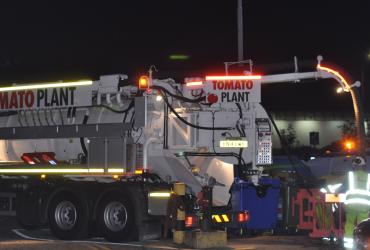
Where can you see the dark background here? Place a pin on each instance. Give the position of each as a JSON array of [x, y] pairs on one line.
[[65, 40]]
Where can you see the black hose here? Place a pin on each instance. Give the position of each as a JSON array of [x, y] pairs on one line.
[[165, 127], [240, 110], [118, 111], [240, 130], [184, 99], [190, 124], [82, 139], [213, 131]]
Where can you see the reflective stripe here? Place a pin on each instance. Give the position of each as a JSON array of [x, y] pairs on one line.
[[351, 180], [358, 191], [323, 190], [58, 170], [160, 194], [348, 245], [116, 170], [357, 201], [352, 191], [46, 85], [217, 218], [348, 242], [346, 239], [43, 170], [226, 219]]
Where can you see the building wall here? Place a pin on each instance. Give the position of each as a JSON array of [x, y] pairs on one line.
[[329, 131], [327, 124]]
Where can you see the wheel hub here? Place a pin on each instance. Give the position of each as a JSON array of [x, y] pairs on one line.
[[115, 216], [65, 215]]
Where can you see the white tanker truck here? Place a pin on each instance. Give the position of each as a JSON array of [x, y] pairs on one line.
[[79, 154], [101, 155]]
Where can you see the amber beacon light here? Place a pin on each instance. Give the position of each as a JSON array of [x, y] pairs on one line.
[[143, 82]]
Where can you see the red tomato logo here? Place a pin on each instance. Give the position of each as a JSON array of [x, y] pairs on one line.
[[212, 98]]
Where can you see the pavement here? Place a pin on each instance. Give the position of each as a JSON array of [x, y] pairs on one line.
[[13, 237]]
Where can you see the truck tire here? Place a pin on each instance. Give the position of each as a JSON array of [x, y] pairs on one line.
[[116, 218], [68, 217]]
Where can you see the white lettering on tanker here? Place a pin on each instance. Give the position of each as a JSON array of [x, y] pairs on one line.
[[243, 91], [46, 98]]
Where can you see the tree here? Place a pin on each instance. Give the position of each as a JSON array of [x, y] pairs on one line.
[[348, 130], [288, 136]]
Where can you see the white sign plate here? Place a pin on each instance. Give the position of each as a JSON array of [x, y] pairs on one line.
[[231, 91], [59, 97]]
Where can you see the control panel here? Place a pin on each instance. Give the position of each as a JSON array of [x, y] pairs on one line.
[[264, 142]]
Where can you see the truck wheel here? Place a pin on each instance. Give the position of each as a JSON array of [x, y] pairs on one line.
[[68, 217], [116, 218]]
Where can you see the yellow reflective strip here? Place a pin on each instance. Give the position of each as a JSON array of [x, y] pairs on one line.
[[96, 170], [46, 85], [160, 194], [43, 170], [226, 219], [116, 170], [138, 171], [217, 218]]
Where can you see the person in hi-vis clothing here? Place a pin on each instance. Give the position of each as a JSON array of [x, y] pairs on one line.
[[357, 198]]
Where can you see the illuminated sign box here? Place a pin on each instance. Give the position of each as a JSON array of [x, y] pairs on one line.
[[231, 89], [233, 144]]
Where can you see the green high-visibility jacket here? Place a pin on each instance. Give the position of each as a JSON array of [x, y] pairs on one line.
[[358, 188]]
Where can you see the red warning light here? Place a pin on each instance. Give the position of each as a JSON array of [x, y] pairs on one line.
[[242, 217], [190, 221], [39, 158], [27, 160]]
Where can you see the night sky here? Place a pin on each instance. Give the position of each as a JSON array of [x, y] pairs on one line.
[[63, 40]]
